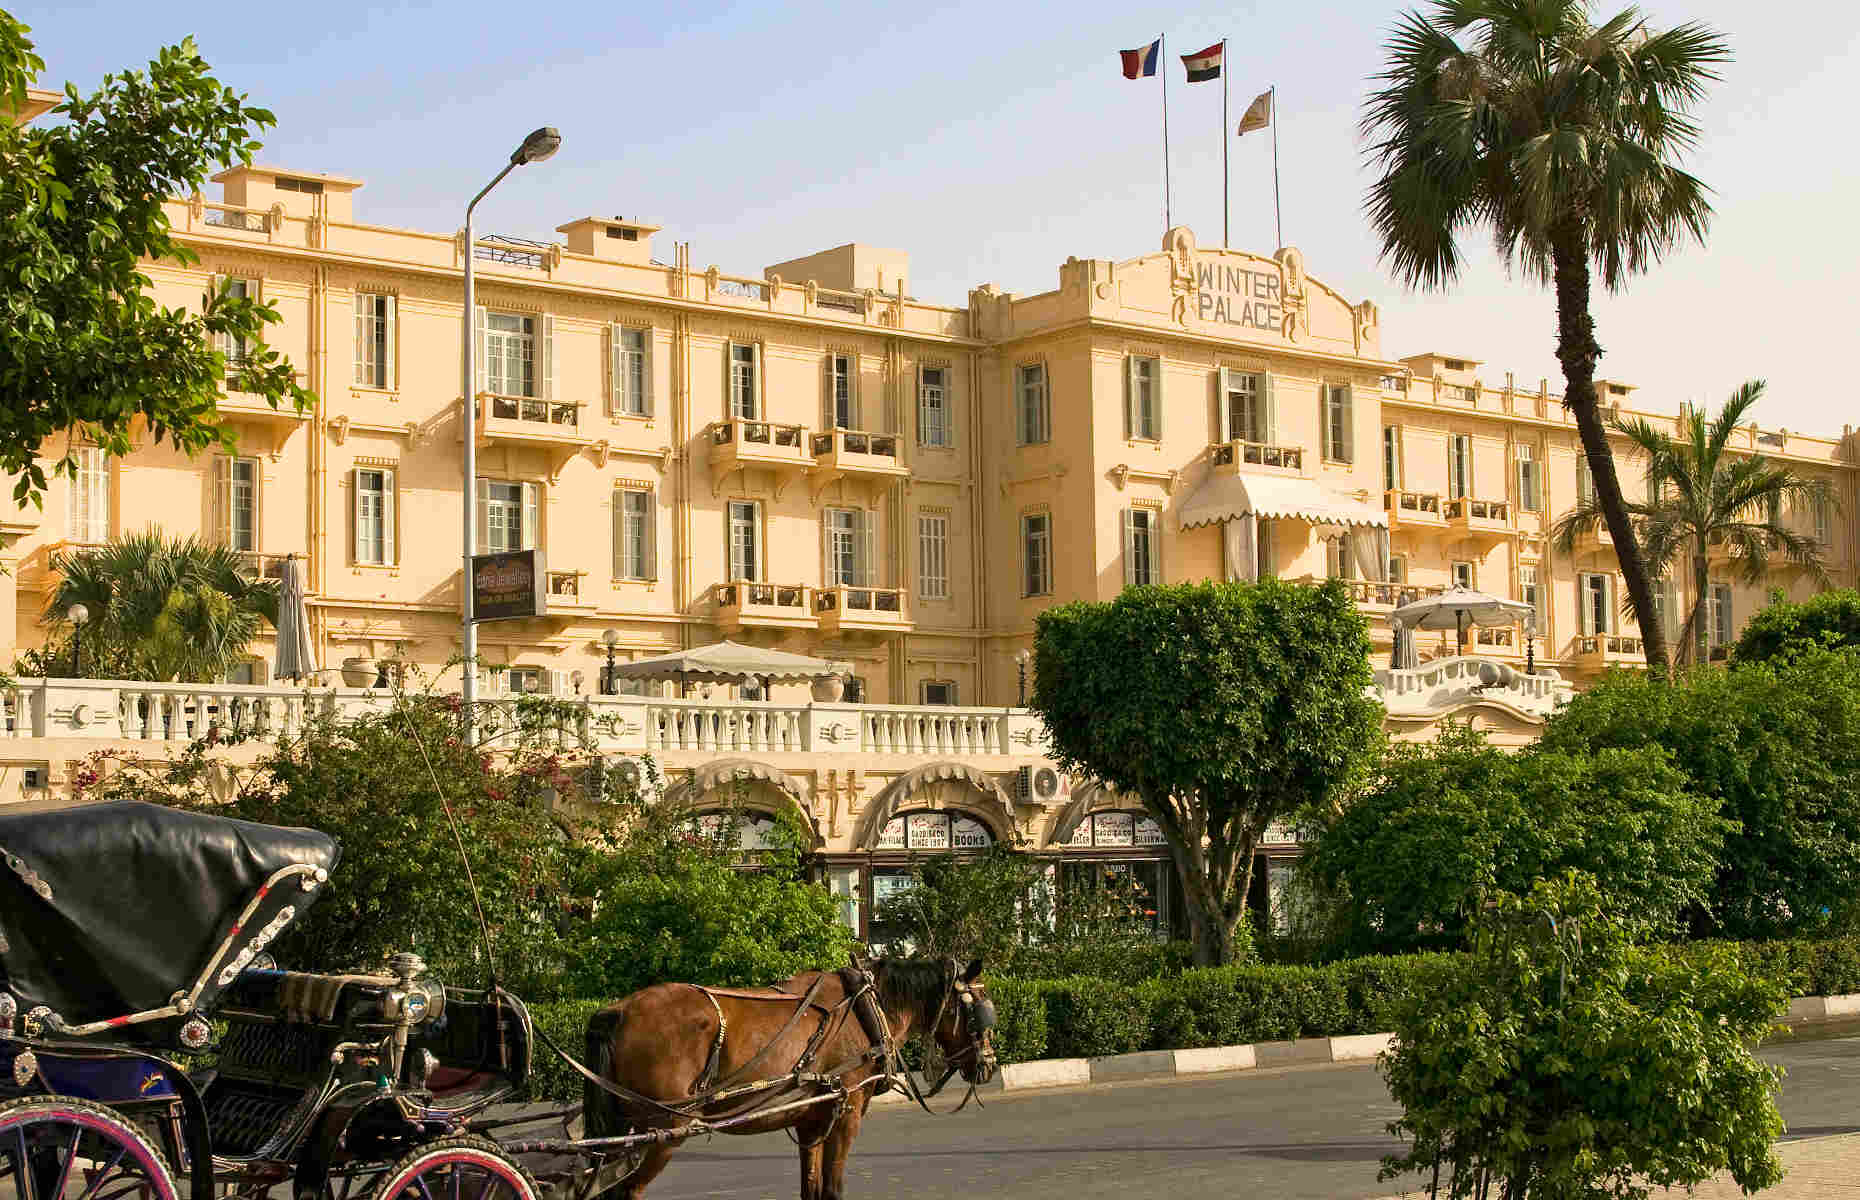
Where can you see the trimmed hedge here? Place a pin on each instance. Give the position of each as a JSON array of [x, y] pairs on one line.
[[1083, 1017]]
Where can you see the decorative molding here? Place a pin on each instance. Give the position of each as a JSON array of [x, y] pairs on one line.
[[1055, 472], [1124, 471]]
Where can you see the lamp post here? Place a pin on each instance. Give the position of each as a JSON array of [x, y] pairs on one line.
[[79, 616], [536, 147], [1530, 644], [609, 685], [1020, 660]]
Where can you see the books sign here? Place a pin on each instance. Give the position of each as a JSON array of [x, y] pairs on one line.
[[508, 585]]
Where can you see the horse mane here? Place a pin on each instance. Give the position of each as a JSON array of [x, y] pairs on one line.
[[915, 984]]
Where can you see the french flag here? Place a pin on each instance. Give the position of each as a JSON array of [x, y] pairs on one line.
[[1141, 63]]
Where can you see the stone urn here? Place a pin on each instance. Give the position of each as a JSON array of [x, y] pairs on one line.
[[360, 671], [828, 689]]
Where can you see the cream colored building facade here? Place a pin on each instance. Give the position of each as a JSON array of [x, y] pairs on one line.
[[811, 458]]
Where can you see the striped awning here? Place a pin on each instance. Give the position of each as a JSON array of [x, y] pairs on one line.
[[1229, 497]]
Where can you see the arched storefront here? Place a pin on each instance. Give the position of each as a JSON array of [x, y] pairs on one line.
[[1102, 838]]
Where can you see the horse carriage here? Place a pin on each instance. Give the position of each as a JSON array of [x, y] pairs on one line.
[[146, 1037]]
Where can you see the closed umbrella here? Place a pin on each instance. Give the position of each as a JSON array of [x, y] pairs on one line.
[[1459, 609], [296, 657]]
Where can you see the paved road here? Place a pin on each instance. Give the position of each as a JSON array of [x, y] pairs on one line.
[[1311, 1132]]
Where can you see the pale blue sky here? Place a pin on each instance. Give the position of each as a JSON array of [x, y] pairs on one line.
[[991, 141]]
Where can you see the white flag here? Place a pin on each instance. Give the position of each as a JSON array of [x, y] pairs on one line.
[[1258, 114]]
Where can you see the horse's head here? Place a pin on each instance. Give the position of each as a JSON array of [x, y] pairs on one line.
[[964, 1026]]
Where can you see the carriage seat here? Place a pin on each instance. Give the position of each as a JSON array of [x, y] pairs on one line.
[[310, 999], [482, 1050]]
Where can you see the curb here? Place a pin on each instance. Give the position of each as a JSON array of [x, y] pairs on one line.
[[1359, 1049]]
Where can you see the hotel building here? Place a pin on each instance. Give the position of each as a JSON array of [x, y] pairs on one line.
[[812, 458]]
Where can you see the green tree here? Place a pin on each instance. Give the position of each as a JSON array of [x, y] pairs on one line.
[[1830, 619], [1701, 496], [87, 349], [1224, 706], [1560, 135], [1561, 1063], [1777, 746], [1447, 825], [165, 609]]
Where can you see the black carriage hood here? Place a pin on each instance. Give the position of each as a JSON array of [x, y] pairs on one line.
[[111, 910]]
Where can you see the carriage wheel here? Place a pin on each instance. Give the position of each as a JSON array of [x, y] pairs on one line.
[[464, 1167], [57, 1148]]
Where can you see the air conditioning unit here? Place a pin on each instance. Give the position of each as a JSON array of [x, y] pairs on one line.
[[1036, 785]]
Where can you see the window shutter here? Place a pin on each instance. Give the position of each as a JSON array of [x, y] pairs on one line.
[[1155, 539], [480, 362], [1586, 605], [358, 551], [829, 418], [1155, 429], [532, 516], [222, 490], [729, 379], [617, 508], [389, 549], [390, 343], [645, 373], [1223, 405], [757, 350], [545, 388], [362, 342], [649, 566], [1585, 481], [612, 334], [1131, 417], [868, 548], [484, 516], [1130, 546], [1349, 424], [1268, 410]]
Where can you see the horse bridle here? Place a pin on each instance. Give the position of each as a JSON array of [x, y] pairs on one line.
[[978, 1022]]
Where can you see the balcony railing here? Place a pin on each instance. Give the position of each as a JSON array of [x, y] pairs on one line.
[[1463, 508], [737, 430], [1379, 595], [1440, 687], [846, 608], [1415, 508], [532, 410], [1610, 646], [1235, 454], [565, 589], [511, 251], [248, 220], [742, 594], [853, 441]]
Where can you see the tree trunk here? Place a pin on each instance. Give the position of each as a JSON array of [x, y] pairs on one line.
[[1209, 877], [1578, 351], [1701, 633]]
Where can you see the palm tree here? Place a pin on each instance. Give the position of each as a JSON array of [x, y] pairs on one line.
[[1559, 135], [1702, 496], [183, 609]]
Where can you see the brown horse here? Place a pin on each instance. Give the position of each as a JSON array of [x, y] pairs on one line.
[[688, 1053]]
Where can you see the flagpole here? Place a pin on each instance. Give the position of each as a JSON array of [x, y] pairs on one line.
[[1162, 58], [1277, 222], [1224, 175]]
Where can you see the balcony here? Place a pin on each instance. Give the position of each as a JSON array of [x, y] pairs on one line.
[[1377, 598], [1415, 510], [1230, 458], [1598, 651], [1445, 686], [1485, 521], [274, 425], [862, 610], [744, 605], [854, 454], [738, 445], [260, 565], [567, 592], [1595, 540]]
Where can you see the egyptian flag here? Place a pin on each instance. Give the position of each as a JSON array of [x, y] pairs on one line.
[[1139, 64], [1204, 65]]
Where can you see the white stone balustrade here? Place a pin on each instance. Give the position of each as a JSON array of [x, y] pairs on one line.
[[1440, 686]]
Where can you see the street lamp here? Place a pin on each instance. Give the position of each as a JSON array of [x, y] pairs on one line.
[[79, 616], [609, 685], [1020, 660], [537, 146], [1530, 644]]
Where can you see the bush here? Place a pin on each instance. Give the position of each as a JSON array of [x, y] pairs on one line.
[[1562, 1063], [1448, 824], [1829, 619], [1776, 745]]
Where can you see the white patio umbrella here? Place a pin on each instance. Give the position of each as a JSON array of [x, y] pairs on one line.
[[729, 662], [296, 657], [1459, 609]]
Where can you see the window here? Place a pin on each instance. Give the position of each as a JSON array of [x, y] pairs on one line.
[[1391, 457], [934, 831], [1595, 596], [509, 354], [1465, 575], [1143, 398], [88, 515], [310, 187], [1036, 540], [744, 535], [622, 235], [1719, 606], [849, 550], [374, 516], [1246, 407], [635, 529], [629, 371], [933, 557], [1035, 422], [1459, 465], [933, 425], [1528, 487], [374, 340], [1338, 442], [236, 504], [233, 348], [939, 691], [1336, 558], [1142, 546], [247, 671], [839, 405], [1398, 568], [1585, 479], [1529, 594], [528, 681], [745, 380], [1268, 557], [1455, 364], [1663, 603], [509, 516], [855, 689], [1824, 523]]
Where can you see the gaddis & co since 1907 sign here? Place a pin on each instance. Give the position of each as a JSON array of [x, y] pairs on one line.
[[508, 585]]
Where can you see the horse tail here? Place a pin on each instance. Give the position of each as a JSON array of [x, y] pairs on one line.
[[601, 1115]]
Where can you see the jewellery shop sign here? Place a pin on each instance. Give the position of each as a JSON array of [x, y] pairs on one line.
[[508, 585]]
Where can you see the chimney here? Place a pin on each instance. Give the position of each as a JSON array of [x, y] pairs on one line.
[[614, 239]]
